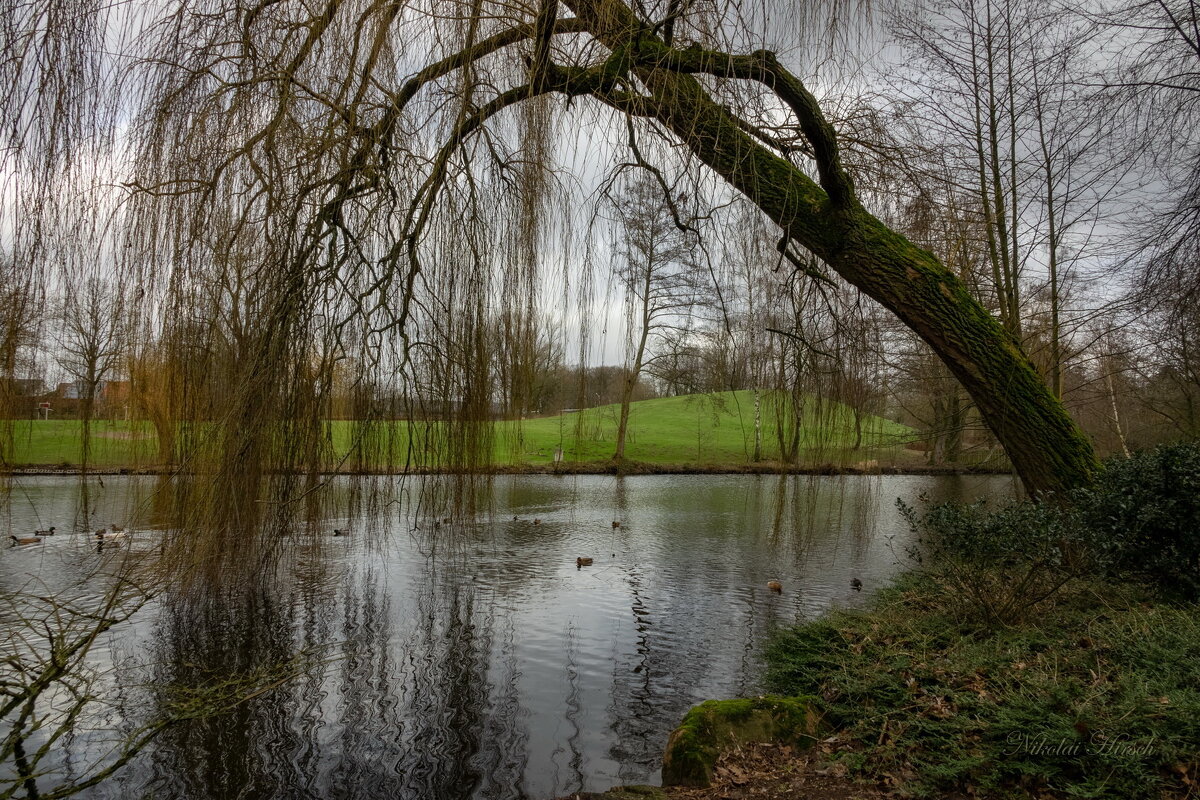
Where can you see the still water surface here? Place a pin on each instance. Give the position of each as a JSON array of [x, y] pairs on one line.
[[473, 659]]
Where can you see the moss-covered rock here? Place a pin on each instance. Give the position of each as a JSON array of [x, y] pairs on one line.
[[715, 725]]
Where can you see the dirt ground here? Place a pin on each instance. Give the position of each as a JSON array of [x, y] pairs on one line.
[[762, 772]]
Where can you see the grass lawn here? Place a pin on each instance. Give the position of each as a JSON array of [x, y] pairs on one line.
[[58, 442], [693, 429], [711, 429]]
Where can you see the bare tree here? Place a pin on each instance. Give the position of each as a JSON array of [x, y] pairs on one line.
[[660, 274], [754, 266], [970, 82], [1168, 365], [1154, 78], [91, 342]]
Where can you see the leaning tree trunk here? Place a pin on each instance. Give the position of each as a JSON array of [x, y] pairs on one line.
[[1047, 449]]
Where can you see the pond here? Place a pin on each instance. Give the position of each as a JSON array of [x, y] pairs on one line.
[[475, 659]]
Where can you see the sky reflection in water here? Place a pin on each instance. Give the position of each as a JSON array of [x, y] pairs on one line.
[[473, 659]]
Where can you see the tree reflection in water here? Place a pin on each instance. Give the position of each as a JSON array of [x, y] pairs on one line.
[[473, 659]]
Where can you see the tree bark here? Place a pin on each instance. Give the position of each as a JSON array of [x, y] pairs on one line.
[[757, 426]]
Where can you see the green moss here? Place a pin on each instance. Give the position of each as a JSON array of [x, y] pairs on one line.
[[616, 66], [715, 725]]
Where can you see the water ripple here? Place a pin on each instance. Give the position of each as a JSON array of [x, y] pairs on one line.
[[473, 659]]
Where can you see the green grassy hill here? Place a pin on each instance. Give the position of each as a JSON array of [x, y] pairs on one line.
[[709, 429], [695, 429]]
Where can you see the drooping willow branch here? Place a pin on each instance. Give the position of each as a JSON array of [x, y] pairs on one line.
[[342, 180]]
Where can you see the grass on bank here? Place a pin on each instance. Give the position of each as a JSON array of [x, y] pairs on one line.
[[1042, 649], [1098, 697], [58, 442], [708, 429]]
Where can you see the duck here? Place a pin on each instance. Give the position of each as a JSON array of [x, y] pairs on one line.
[[616, 524], [24, 540], [341, 531], [583, 561], [775, 586], [116, 528], [537, 522], [49, 532], [856, 584], [104, 536]]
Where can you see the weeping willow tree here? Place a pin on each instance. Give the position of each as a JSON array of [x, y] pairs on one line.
[[384, 191]]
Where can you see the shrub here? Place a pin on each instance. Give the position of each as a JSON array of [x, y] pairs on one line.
[[1140, 521], [998, 565], [1144, 515]]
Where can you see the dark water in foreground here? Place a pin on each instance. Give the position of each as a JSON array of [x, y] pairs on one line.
[[474, 660]]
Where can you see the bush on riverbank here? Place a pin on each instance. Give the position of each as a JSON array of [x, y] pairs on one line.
[[1139, 522], [1038, 649], [1098, 696], [1145, 512], [998, 566]]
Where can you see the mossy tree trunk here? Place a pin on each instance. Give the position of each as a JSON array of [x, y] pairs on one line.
[[1047, 449]]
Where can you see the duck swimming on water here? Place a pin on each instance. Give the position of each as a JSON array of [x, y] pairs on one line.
[[775, 586], [24, 540], [583, 561]]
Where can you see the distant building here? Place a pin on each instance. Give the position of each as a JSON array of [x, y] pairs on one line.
[[69, 391], [106, 391], [111, 399], [115, 392]]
